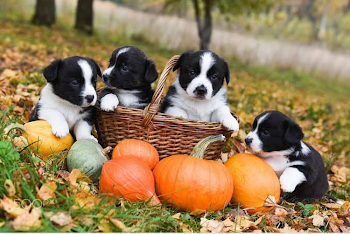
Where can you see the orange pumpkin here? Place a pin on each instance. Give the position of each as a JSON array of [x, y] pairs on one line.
[[130, 178], [137, 148], [189, 182], [253, 181]]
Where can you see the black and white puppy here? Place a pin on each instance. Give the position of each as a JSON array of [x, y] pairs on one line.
[[67, 100], [128, 79], [278, 140], [198, 91]]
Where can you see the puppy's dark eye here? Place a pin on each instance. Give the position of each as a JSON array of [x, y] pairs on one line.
[[192, 73], [214, 76], [124, 68], [75, 82], [265, 132]]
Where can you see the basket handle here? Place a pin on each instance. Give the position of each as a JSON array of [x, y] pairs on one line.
[[151, 110]]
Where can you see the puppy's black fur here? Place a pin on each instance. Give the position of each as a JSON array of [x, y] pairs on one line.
[[129, 77], [278, 139]]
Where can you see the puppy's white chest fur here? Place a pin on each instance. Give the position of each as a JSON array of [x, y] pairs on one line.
[[128, 98], [278, 164], [49, 101], [198, 109]]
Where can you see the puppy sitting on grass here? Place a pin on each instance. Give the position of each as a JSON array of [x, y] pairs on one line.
[[278, 140]]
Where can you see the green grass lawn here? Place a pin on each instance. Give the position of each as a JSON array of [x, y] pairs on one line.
[[321, 107]]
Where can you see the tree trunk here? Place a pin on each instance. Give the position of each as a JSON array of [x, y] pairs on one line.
[[204, 26], [322, 30], [45, 13], [84, 16]]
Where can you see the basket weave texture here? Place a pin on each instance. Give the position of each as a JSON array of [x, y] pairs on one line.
[[168, 134]]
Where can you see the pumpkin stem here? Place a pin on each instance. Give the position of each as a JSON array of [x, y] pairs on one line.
[[199, 149], [14, 126]]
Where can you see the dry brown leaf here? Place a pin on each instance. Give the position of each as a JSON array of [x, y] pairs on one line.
[[86, 200], [10, 188], [86, 221], [185, 228], [47, 191], [27, 221], [61, 219], [340, 173], [212, 225], [244, 222], [333, 227], [2, 224], [119, 224], [9, 73], [344, 229], [335, 206], [280, 212], [104, 226], [317, 220], [286, 229], [270, 201], [176, 216], [197, 212], [12, 207], [63, 174], [73, 176]]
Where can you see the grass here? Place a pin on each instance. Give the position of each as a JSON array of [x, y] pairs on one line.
[[321, 107]]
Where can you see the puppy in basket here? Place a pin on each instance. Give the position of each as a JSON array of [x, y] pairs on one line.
[[128, 80], [198, 91]]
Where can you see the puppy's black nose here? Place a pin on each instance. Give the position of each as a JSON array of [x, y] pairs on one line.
[[89, 98], [200, 90], [248, 140]]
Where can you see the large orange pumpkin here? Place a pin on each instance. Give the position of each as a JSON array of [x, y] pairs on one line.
[[189, 182], [130, 178], [137, 148], [253, 181], [40, 137]]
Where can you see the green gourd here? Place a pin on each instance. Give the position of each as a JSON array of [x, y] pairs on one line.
[[88, 156]]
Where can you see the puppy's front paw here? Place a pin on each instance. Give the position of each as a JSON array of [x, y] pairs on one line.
[[91, 137], [109, 102], [231, 123], [60, 130], [287, 186]]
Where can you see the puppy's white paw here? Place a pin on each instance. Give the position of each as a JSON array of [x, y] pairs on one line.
[[60, 130], [231, 123], [287, 186], [109, 102], [91, 137]]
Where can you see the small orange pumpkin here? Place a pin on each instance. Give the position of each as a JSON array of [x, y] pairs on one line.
[[130, 178], [253, 181], [137, 148], [189, 182]]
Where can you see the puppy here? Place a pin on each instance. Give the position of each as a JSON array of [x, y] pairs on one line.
[[278, 140], [198, 91], [67, 100], [128, 79]]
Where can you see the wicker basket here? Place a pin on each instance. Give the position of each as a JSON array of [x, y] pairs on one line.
[[168, 134]]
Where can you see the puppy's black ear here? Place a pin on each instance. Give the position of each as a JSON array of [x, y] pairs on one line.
[[293, 134], [151, 72], [98, 70], [184, 55], [50, 72], [227, 72]]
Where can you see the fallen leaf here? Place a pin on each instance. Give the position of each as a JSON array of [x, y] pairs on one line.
[[61, 219], [10, 188], [73, 176], [11, 207], [185, 228], [244, 222], [119, 224], [333, 227], [86, 221], [332, 205], [176, 216], [9, 73], [212, 225], [317, 220], [86, 200], [47, 191], [104, 226], [197, 212], [280, 212], [344, 229], [63, 174], [2, 224], [27, 221], [270, 201], [285, 229]]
